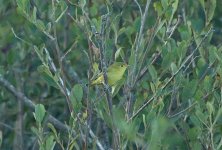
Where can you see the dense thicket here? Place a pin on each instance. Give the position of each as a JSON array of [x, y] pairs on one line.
[[169, 97]]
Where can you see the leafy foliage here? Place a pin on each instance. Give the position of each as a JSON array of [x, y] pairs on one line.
[[169, 97]]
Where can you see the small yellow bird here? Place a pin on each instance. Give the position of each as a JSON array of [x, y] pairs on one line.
[[114, 74]]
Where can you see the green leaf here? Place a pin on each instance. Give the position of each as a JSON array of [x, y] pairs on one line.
[[117, 87], [153, 87], [218, 54], [117, 53], [201, 116], [120, 53], [218, 116], [52, 128], [47, 76], [48, 27], [63, 7], [76, 97], [121, 31], [175, 5], [210, 10], [77, 92], [129, 32], [132, 59], [210, 108], [11, 57], [158, 8], [168, 13], [167, 60], [160, 26], [74, 145], [159, 128], [39, 52], [40, 25], [95, 25], [34, 15], [49, 143], [195, 120], [23, 4], [202, 68], [173, 9], [208, 83], [181, 50], [35, 131], [164, 3], [174, 68], [127, 129], [137, 24], [39, 113], [94, 9], [189, 89], [194, 132], [202, 3], [185, 32], [20, 4], [152, 72], [82, 3]]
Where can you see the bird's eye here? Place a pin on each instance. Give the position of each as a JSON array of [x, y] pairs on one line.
[[121, 65]]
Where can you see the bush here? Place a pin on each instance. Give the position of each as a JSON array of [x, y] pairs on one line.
[[168, 98]]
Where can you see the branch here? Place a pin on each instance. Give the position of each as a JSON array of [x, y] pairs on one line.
[[101, 44], [137, 44], [58, 124], [101, 41], [181, 112], [172, 77], [140, 35], [153, 35]]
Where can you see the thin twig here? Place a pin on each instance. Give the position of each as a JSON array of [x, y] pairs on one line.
[[204, 97], [137, 44], [153, 34], [62, 84], [16, 36], [101, 45], [140, 35], [4, 83], [145, 69], [19, 140], [172, 77], [58, 53], [172, 116], [141, 13], [68, 51]]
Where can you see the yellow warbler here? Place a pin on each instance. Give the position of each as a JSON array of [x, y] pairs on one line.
[[114, 74]]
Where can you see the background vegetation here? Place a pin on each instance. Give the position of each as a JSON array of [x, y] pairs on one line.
[[169, 98]]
